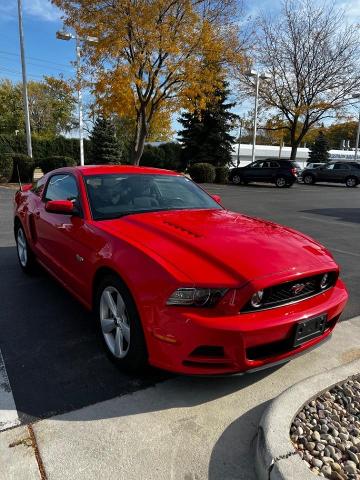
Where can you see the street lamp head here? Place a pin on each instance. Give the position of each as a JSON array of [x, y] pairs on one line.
[[90, 39], [251, 73], [61, 35], [265, 76]]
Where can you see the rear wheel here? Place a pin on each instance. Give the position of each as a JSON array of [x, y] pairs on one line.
[[308, 180], [351, 182], [119, 325], [25, 255], [281, 182], [236, 179]]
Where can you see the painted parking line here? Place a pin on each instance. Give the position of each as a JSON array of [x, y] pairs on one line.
[[8, 414], [345, 252]]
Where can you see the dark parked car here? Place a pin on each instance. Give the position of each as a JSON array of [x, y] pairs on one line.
[[281, 172], [334, 172]]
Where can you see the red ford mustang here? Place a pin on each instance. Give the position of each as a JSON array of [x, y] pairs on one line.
[[175, 279]]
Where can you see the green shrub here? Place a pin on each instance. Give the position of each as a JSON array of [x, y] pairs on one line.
[[202, 172], [23, 165], [48, 147], [172, 156], [6, 165], [221, 174], [6, 168], [56, 161], [152, 157]]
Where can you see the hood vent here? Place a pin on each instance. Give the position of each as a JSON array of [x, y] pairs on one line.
[[182, 229]]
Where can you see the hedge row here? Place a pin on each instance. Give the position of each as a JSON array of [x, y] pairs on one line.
[[45, 148], [207, 173], [14, 164]]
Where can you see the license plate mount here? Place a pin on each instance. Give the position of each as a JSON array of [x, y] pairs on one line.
[[308, 329]]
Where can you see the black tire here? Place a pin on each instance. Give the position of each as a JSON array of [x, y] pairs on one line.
[[236, 179], [309, 179], [135, 359], [25, 255], [351, 182], [281, 182]]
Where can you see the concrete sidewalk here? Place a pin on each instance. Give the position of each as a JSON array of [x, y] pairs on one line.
[[185, 428]]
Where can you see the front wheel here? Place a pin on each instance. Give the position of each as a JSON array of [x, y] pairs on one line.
[[351, 182], [308, 180], [25, 255], [236, 179], [119, 325]]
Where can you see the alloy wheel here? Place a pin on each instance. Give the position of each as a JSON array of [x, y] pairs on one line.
[[115, 325], [22, 247], [351, 182], [236, 179], [280, 182], [308, 179]]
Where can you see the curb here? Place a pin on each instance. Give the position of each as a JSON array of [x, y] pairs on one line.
[[275, 456]]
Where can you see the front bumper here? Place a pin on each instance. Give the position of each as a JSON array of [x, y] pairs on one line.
[[191, 342]]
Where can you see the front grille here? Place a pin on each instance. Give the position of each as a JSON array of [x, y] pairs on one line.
[[293, 291]]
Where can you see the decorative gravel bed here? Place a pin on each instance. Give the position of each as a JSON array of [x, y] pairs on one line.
[[326, 432]]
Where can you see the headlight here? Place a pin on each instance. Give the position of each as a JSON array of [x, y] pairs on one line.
[[256, 299], [196, 297], [325, 281]]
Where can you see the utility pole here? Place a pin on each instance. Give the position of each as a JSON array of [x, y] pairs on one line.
[[258, 76], [24, 81], [255, 115], [239, 143], [357, 138], [62, 35], [78, 74]]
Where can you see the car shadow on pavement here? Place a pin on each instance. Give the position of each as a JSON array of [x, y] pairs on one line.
[[351, 215], [55, 361], [233, 453]]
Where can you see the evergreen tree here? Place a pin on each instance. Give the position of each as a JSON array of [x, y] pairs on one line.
[[105, 147], [206, 134], [319, 150]]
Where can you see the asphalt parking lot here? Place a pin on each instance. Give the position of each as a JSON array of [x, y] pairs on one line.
[[48, 341]]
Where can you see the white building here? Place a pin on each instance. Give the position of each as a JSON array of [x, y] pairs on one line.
[[272, 151]]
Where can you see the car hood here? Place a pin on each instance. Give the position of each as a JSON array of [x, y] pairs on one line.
[[222, 247]]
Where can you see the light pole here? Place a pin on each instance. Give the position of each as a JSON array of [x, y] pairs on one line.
[[357, 95], [24, 81], [258, 76], [69, 36], [239, 143]]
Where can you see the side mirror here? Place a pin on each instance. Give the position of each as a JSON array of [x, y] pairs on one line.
[[65, 207], [217, 198], [27, 187]]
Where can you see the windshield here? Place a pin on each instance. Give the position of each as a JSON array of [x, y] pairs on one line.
[[116, 195]]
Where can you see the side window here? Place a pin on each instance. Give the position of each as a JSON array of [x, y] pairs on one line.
[[341, 166], [62, 187], [257, 164], [330, 166], [38, 188], [274, 165]]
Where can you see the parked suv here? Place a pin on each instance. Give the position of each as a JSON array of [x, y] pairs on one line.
[[334, 172], [281, 172]]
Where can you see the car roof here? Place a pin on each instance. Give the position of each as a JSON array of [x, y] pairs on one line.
[[114, 169]]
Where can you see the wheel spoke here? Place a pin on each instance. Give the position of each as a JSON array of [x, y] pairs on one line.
[[125, 331], [107, 325], [110, 302], [120, 305], [118, 344]]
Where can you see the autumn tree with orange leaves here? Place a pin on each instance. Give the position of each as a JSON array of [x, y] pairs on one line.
[[155, 56]]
